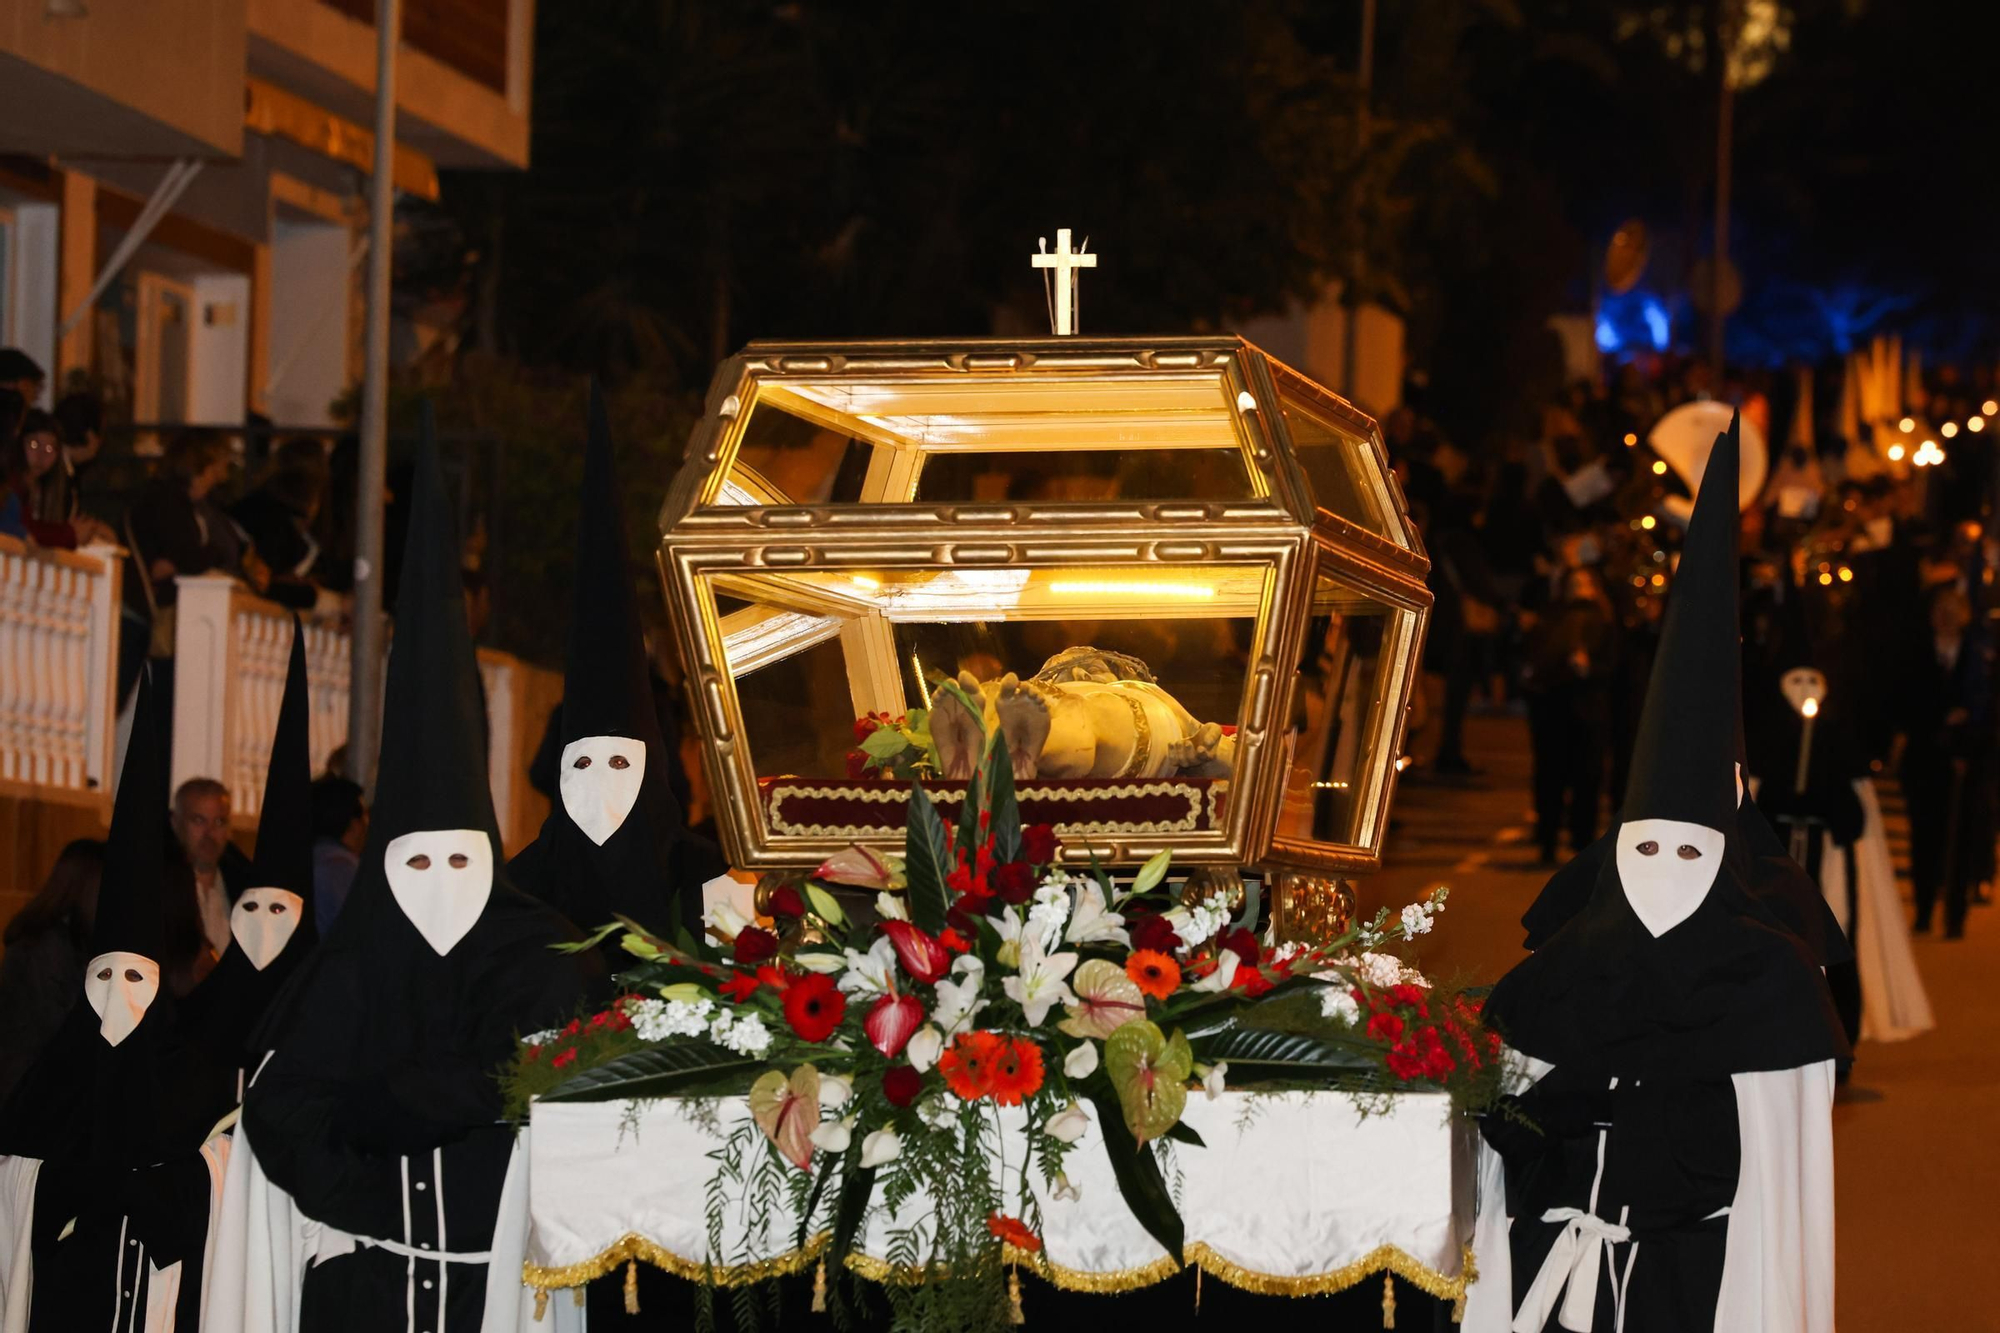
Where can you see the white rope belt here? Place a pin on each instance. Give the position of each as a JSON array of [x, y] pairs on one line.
[[1573, 1263], [429, 1256]]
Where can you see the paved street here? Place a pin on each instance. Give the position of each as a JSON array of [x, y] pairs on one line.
[[1913, 1132]]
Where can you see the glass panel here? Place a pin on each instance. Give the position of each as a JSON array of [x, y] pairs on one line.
[[1132, 672], [1340, 465], [990, 439], [1336, 728]]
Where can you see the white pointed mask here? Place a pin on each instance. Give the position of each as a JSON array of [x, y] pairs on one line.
[[1804, 689], [441, 879], [120, 987], [600, 781], [1667, 868], [263, 921]]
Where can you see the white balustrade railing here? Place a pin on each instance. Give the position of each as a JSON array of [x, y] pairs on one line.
[[231, 652], [58, 667]]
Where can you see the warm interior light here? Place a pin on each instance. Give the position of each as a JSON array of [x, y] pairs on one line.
[[1106, 586], [1342, 786], [1895, 453], [1659, 580], [1649, 522], [863, 581], [1810, 708], [1659, 467], [1948, 429], [1975, 424], [1630, 439], [923, 686], [1906, 425], [1846, 574], [1990, 408], [1825, 579]]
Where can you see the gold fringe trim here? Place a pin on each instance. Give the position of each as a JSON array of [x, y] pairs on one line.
[[1386, 1259]]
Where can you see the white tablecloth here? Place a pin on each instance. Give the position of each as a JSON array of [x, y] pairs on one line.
[[1295, 1193]]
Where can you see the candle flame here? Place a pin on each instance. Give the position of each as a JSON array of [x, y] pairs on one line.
[[1810, 708]]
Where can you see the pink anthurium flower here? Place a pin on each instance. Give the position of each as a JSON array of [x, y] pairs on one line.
[[922, 957], [891, 1021]]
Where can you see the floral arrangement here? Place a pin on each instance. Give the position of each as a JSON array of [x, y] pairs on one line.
[[893, 747], [877, 1059]]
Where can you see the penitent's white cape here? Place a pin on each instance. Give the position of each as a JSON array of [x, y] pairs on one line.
[[1777, 1269], [17, 1263], [265, 1245], [1893, 1004]]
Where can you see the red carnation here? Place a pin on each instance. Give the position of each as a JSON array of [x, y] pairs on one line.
[[1038, 843], [1014, 882], [902, 1085], [568, 1057], [787, 902], [814, 1007], [1151, 931], [754, 945], [864, 727], [1385, 1027], [922, 957], [857, 765], [952, 940]]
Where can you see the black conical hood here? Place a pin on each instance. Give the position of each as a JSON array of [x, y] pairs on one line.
[[1683, 759], [606, 689], [131, 905], [284, 822], [1795, 640], [432, 772]]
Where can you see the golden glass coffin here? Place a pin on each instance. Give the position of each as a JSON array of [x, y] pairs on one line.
[[1179, 573]]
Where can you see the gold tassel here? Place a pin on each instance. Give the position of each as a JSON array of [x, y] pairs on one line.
[[1388, 1300], [1197, 1288], [541, 1303], [576, 1297], [1014, 1312], [632, 1286], [819, 1288]]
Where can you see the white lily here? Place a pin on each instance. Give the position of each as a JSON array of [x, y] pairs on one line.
[[834, 1090], [1040, 983], [1081, 1062], [1224, 975], [958, 1002], [871, 973], [890, 906], [1008, 923], [723, 920], [1068, 1125], [834, 1135], [884, 1145], [826, 964], [924, 1047], [1091, 922], [1062, 1189], [1213, 1082]]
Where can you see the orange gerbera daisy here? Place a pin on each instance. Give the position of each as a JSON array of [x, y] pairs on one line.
[[1154, 973], [967, 1065], [1016, 1072], [1013, 1231]]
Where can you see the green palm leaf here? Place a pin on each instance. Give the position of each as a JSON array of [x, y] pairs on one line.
[[656, 1071]]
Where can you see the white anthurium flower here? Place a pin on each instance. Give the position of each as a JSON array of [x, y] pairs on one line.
[[1092, 922], [1215, 1080], [1224, 975], [1081, 1062], [871, 973], [1068, 1125], [1040, 983], [958, 1002], [834, 1135], [924, 1048], [1063, 1190], [934, 1113], [890, 906], [884, 1145], [724, 920], [834, 1090], [820, 961]]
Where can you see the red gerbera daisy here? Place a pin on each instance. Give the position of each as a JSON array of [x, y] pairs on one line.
[[1016, 1071], [967, 1065], [1013, 1231], [814, 1007]]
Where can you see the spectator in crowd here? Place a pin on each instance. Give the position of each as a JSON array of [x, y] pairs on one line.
[[1571, 661], [278, 519], [81, 417], [1947, 724], [169, 532], [201, 826], [340, 830], [33, 466], [48, 942], [22, 374]]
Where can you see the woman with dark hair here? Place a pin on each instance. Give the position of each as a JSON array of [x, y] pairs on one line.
[[278, 518], [34, 468], [169, 531], [41, 973]]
